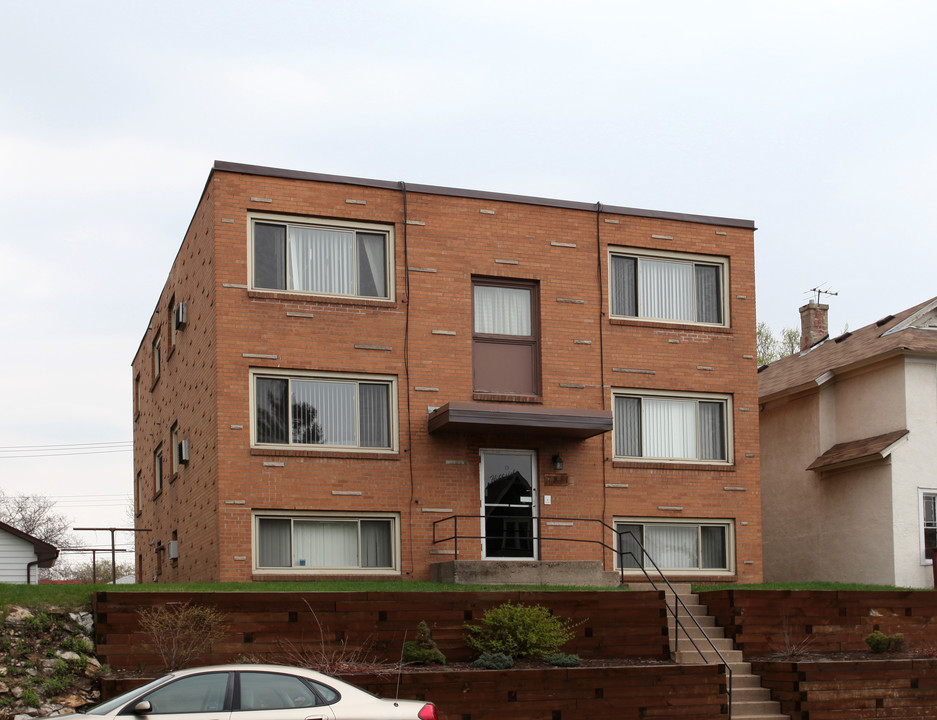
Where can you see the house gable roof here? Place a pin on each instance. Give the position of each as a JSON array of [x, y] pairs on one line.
[[912, 330], [45, 552]]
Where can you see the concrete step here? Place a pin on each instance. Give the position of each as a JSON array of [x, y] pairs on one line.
[[690, 629], [752, 693], [705, 621], [683, 589], [743, 679], [692, 657], [747, 708], [723, 645]]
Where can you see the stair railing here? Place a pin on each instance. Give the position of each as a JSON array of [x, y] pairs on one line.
[[621, 553]]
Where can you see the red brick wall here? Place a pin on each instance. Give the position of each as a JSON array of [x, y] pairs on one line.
[[186, 393], [448, 241]]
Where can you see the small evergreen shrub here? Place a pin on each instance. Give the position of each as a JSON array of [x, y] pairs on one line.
[[494, 661], [423, 650], [562, 660], [879, 642], [519, 631]]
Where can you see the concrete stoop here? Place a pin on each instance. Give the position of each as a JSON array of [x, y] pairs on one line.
[[523, 572], [689, 647]]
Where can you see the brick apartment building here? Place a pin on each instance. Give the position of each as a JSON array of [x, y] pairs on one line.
[[336, 367]]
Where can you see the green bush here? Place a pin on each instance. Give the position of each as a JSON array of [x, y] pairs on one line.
[[423, 650], [30, 698], [519, 631], [494, 661], [562, 660], [879, 642]]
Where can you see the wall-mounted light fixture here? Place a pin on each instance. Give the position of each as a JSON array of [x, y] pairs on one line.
[[557, 462]]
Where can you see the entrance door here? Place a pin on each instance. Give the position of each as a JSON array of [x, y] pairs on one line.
[[509, 487]]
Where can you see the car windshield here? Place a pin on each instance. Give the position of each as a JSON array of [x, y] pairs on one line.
[[116, 702]]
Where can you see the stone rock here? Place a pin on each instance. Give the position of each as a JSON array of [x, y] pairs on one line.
[[94, 662], [73, 701], [69, 655], [17, 692], [17, 615], [84, 619], [4, 688]]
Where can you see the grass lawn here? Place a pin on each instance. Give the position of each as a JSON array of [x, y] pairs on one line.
[[77, 595], [803, 586]]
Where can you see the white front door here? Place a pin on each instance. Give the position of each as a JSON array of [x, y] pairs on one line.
[[509, 502]]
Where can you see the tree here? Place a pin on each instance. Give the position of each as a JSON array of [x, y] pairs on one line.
[[770, 347], [101, 572], [35, 515]]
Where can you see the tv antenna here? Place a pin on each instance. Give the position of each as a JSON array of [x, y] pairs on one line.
[[820, 290]]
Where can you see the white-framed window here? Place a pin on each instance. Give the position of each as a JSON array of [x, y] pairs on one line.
[[652, 425], [158, 470], [174, 448], [671, 287], [324, 410], [157, 356], [321, 257], [326, 542], [927, 506], [676, 545]]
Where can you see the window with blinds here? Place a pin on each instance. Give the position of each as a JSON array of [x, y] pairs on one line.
[[671, 288]]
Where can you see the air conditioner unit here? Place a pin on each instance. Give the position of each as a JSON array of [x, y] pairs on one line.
[[173, 549], [182, 315], [184, 451]]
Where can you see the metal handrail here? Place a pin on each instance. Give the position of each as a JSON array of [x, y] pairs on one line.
[[678, 601]]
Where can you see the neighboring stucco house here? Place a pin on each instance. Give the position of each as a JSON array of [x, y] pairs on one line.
[[342, 374], [849, 452], [21, 555]]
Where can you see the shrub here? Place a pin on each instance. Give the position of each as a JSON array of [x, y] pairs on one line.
[[562, 660], [423, 650], [879, 642], [519, 631], [494, 661], [182, 632], [30, 697]]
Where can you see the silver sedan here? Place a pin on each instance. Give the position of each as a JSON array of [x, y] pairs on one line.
[[258, 692]]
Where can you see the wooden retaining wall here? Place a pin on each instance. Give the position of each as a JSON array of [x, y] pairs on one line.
[[270, 626], [854, 690], [629, 692], [764, 622], [607, 693]]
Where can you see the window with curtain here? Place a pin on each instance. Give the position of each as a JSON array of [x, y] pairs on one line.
[[506, 337], [328, 412], [667, 288], [326, 542], [674, 546], [321, 260], [671, 427]]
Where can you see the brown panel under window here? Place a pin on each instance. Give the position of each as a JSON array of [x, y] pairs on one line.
[[505, 368]]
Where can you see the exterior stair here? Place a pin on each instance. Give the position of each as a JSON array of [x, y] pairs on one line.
[[750, 700]]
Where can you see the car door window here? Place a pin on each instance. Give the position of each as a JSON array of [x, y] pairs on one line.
[[204, 693], [275, 691]]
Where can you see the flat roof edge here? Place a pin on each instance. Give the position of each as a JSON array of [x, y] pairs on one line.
[[244, 169]]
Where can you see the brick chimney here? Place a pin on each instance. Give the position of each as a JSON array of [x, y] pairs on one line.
[[814, 324]]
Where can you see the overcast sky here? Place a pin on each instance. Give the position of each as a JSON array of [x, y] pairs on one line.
[[816, 119]]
